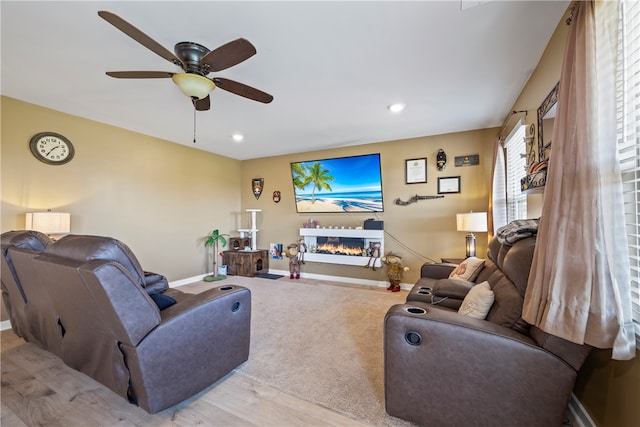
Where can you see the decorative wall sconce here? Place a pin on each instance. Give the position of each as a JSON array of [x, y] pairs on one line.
[[441, 159], [49, 223], [257, 184]]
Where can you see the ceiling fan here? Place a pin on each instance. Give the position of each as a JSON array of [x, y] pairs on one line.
[[196, 61]]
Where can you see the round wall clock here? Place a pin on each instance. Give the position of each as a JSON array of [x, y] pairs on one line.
[[51, 148]]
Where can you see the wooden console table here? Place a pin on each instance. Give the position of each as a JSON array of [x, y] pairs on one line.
[[246, 263]]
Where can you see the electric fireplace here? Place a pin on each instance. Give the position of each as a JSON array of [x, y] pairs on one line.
[[341, 246]]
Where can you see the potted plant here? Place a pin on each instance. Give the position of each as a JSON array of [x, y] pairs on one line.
[[214, 239]]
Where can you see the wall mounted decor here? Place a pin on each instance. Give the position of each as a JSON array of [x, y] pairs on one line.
[[257, 184], [51, 148], [441, 159], [415, 171], [415, 199], [467, 160], [449, 184], [546, 117], [276, 196]]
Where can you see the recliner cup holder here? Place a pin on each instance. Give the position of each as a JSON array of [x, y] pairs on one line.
[[416, 310], [424, 292], [424, 288], [225, 288]]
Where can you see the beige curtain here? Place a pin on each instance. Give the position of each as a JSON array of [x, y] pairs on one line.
[[579, 286]]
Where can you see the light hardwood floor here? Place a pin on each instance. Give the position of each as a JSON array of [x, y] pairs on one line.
[[38, 389]]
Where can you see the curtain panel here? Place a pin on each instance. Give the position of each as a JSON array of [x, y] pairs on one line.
[[579, 285]]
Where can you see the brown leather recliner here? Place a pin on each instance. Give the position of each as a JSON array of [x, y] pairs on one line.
[[23, 322], [154, 345], [446, 369]]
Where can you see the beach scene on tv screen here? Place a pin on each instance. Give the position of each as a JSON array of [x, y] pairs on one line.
[[345, 184]]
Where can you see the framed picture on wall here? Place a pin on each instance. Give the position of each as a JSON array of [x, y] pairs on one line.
[[415, 171], [448, 185]]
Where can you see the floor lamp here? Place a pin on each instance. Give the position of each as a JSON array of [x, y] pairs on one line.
[[471, 222]]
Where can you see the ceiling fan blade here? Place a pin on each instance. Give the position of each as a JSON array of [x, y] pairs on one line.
[[139, 36], [139, 74], [242, 90], [202, 104], [229, 54]]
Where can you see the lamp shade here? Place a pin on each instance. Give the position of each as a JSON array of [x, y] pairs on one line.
[[472, 221], [48, 222], [193, 85]]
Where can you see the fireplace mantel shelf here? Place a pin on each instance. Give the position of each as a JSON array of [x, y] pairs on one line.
[[310, 236]]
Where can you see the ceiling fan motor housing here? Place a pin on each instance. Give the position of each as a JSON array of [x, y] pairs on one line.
[[191, 54]]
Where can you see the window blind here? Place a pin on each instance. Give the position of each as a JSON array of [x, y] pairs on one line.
[[499, 193], [628, 115], [515, 154]]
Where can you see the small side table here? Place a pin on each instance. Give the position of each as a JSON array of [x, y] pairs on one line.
[[452, 260]]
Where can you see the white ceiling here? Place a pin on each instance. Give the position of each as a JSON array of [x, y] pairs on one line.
[[332, 67]]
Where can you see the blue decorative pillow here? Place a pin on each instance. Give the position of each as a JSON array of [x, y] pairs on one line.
[[162, 301]]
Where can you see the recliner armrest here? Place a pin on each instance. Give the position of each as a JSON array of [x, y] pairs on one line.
[[436, 270], [451, 288], [212, 328]]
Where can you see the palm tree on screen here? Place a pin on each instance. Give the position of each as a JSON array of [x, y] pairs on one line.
[[300, 179], [320, 179]]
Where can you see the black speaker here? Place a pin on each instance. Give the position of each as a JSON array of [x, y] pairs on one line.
[[371, 224]]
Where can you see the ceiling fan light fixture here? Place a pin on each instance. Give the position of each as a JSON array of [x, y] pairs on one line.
[[193, 85]]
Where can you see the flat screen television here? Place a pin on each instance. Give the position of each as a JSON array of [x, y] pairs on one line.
[[342, 184]]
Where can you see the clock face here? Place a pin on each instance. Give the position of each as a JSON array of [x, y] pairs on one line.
[[51, 148]]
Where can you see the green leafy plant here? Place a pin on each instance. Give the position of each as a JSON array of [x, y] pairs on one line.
[[214, 240]]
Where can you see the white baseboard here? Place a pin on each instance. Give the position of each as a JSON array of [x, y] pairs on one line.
[[352, 280], [580, 416]]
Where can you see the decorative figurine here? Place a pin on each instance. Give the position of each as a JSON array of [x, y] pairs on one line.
[[294, 262], [302, 248], [395, 268], [374, 254]]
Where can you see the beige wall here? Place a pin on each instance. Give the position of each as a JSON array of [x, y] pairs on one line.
[[423, 230], [542, 80], [158, 197]]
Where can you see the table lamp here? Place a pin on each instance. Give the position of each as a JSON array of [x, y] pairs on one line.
[[49, 223], [471, 222]]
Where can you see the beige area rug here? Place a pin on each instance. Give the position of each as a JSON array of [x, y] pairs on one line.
[[320, 341]]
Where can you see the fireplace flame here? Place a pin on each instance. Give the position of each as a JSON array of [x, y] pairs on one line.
[[339, 249]]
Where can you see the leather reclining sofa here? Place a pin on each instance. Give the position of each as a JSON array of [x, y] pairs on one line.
[[87, 300], [443, 368]]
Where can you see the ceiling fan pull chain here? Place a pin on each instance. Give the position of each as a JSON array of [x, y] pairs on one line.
[[194, 124]]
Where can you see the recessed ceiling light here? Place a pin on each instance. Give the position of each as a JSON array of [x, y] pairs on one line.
[[396, 108], [237, 137]]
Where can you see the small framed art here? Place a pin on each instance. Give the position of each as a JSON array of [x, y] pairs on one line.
[[415, 171], [449, 184]]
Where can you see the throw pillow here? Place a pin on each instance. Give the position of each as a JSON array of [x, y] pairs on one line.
[[468, 270], [162, 301], [478, 301]]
